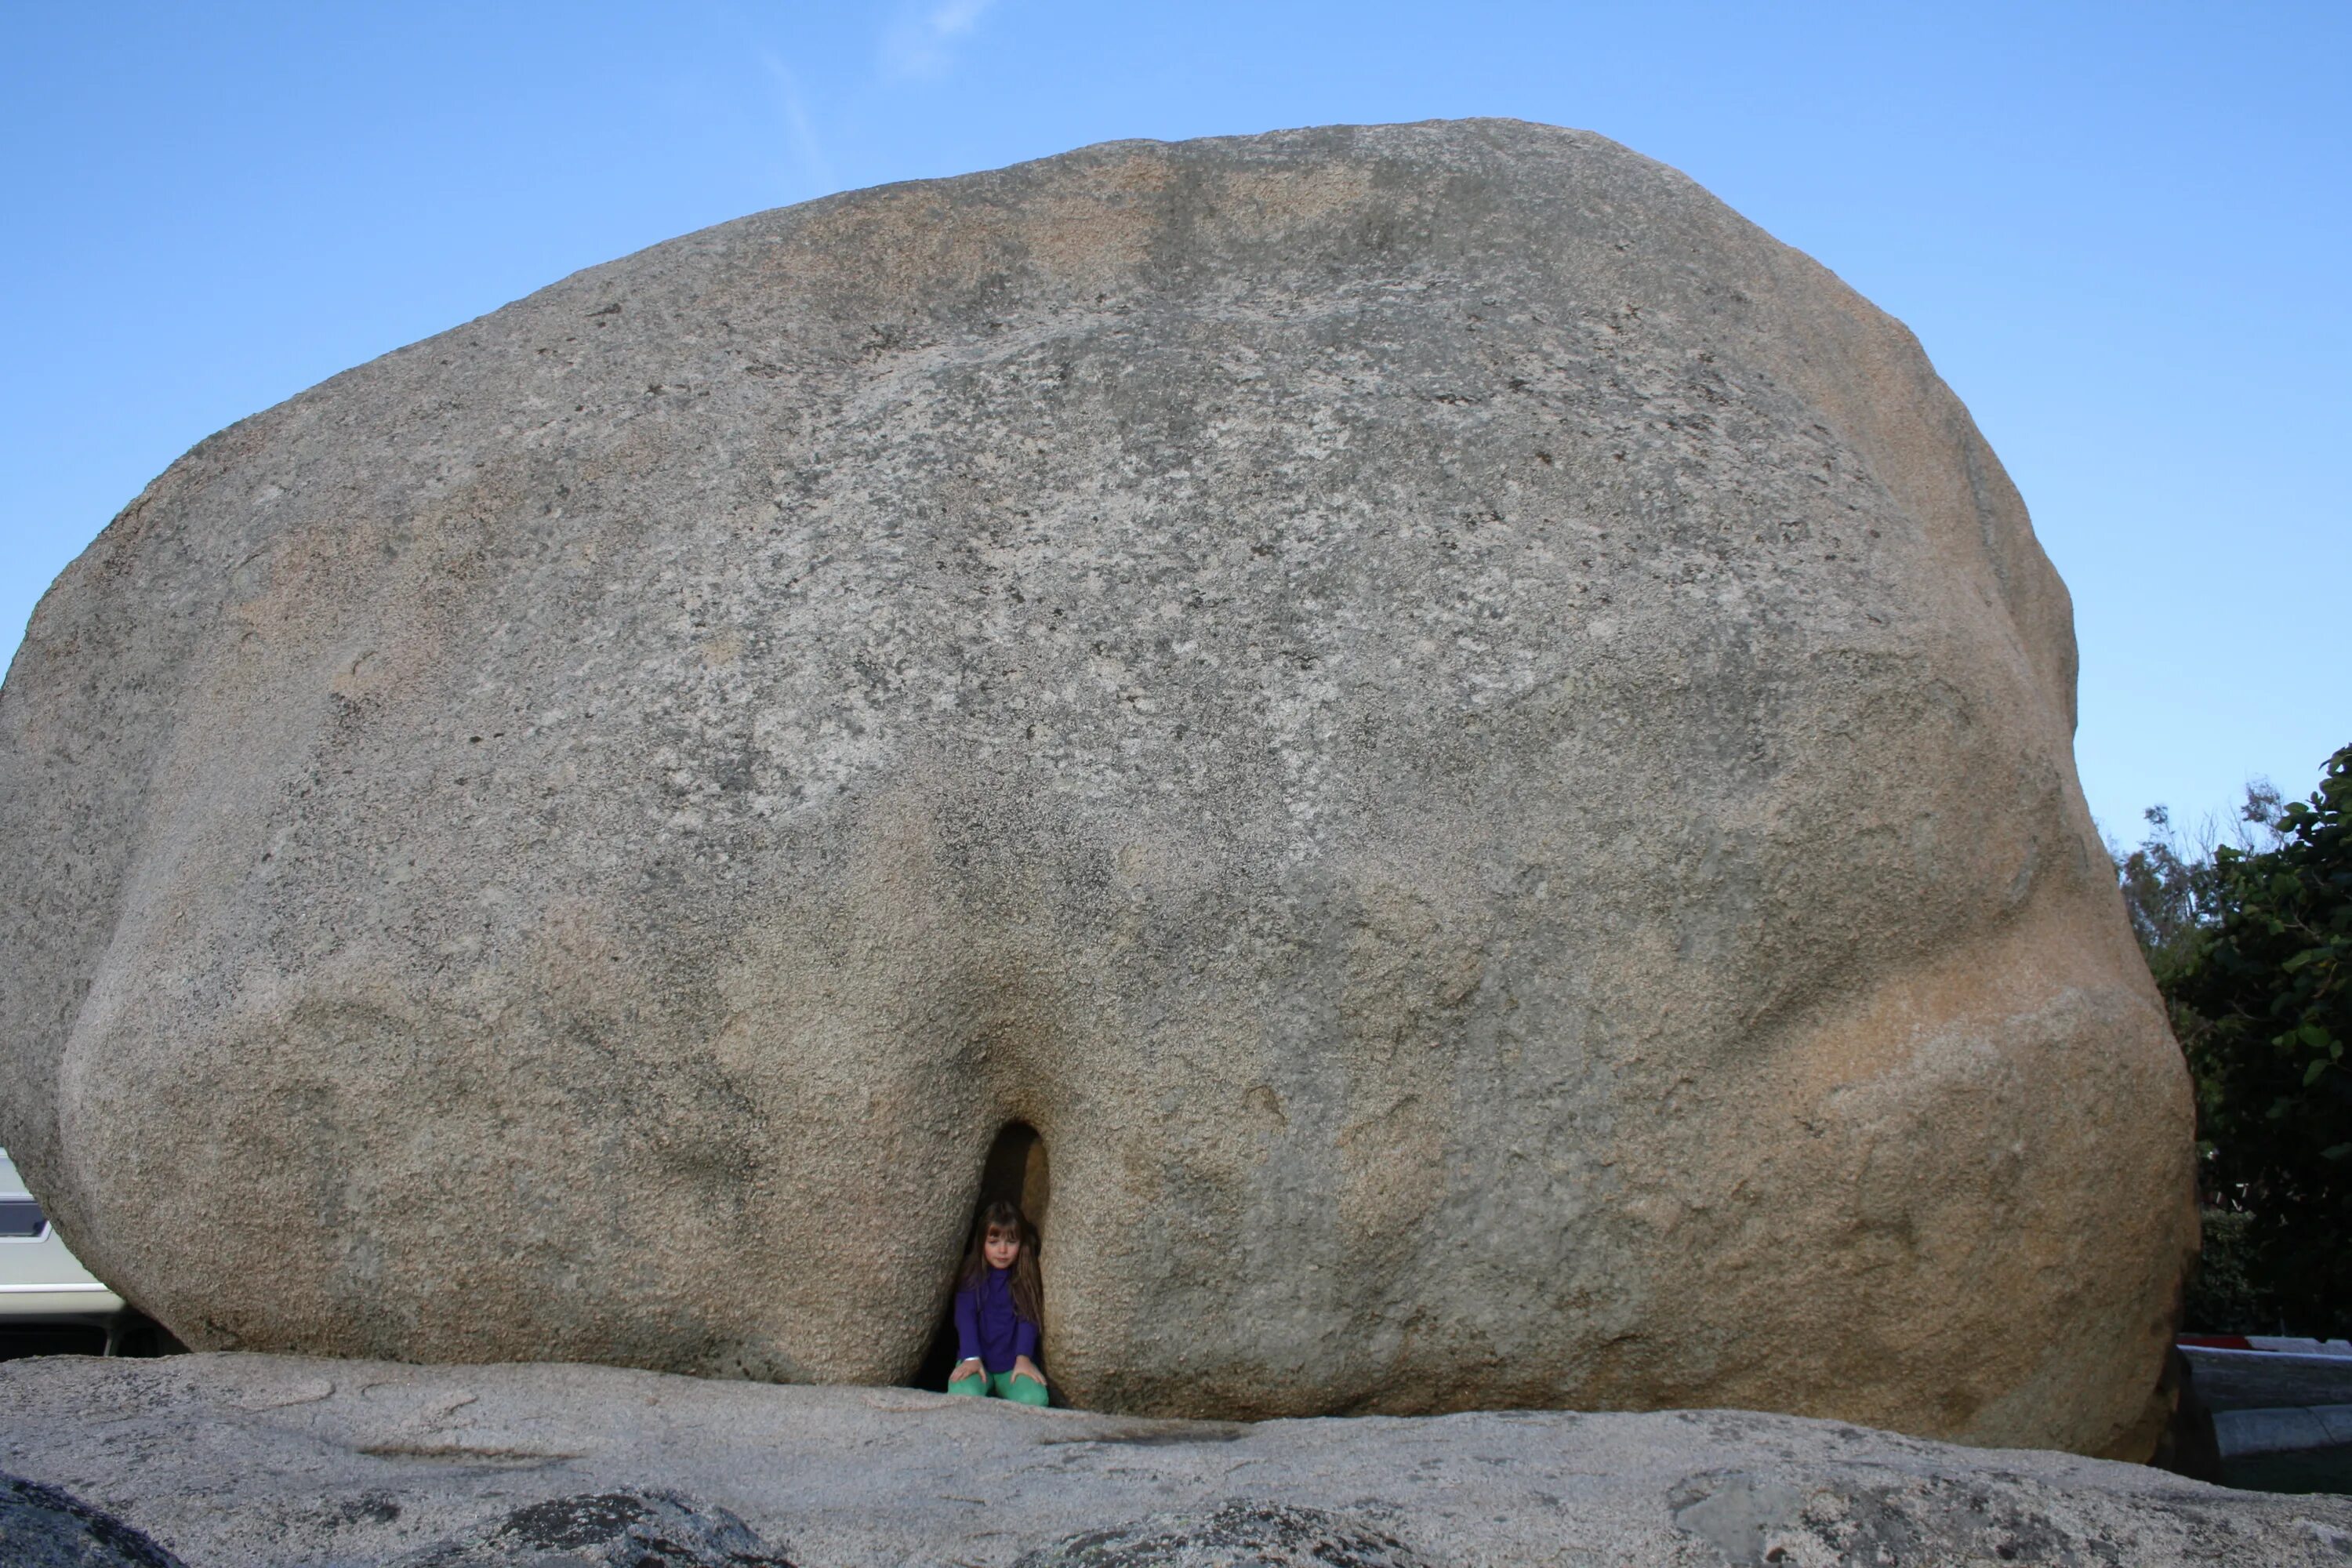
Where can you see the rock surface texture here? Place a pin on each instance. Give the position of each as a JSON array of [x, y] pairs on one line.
[[1483, 750], [254, 1461]]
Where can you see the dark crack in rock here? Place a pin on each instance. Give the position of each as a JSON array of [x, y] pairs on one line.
[[606, 1530], [1243, 1535], [42, 1526]]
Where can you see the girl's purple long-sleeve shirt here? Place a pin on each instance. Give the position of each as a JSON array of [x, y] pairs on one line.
[[988, 1326]]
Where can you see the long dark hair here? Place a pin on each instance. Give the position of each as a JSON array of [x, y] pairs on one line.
[[1028, 1290]]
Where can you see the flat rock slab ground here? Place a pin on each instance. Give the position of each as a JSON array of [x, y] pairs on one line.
[[255, 1460]]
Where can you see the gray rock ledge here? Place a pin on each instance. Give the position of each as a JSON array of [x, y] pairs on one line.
[[257, 1459]]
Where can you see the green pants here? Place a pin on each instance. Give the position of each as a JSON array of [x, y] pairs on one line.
[[1019, 1387]]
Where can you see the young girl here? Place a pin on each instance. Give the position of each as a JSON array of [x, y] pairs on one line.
[[997, 1305]]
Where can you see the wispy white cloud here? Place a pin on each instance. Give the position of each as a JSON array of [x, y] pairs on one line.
[[799, 136], [920, 40]]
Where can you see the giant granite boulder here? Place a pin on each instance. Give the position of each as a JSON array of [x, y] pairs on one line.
[[1480, 749]]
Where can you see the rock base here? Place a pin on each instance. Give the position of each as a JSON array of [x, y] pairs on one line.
[[246, 1460]]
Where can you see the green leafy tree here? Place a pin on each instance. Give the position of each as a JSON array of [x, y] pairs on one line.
[[2166, 887], [2252, 948], [2171, 888]]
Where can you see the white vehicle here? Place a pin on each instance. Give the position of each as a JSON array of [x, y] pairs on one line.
[[40, 1283]]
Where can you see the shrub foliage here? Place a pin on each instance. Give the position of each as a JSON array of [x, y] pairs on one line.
[[2252, 946]]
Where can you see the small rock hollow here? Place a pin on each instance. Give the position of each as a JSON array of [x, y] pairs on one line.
[[1016, 1168]]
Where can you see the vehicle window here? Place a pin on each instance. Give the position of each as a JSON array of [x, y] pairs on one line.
[[21, 1219]]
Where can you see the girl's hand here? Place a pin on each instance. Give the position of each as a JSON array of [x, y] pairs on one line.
[[965, 1369], [1023, 1367]]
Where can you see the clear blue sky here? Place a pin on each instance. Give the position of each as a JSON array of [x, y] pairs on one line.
[[2121, 230]]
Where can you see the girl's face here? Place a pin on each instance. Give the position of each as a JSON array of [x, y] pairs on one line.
[[1001, 1247]]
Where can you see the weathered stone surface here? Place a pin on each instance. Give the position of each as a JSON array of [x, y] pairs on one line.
[[252, 1461], [1481, 748], [605, 1530]]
